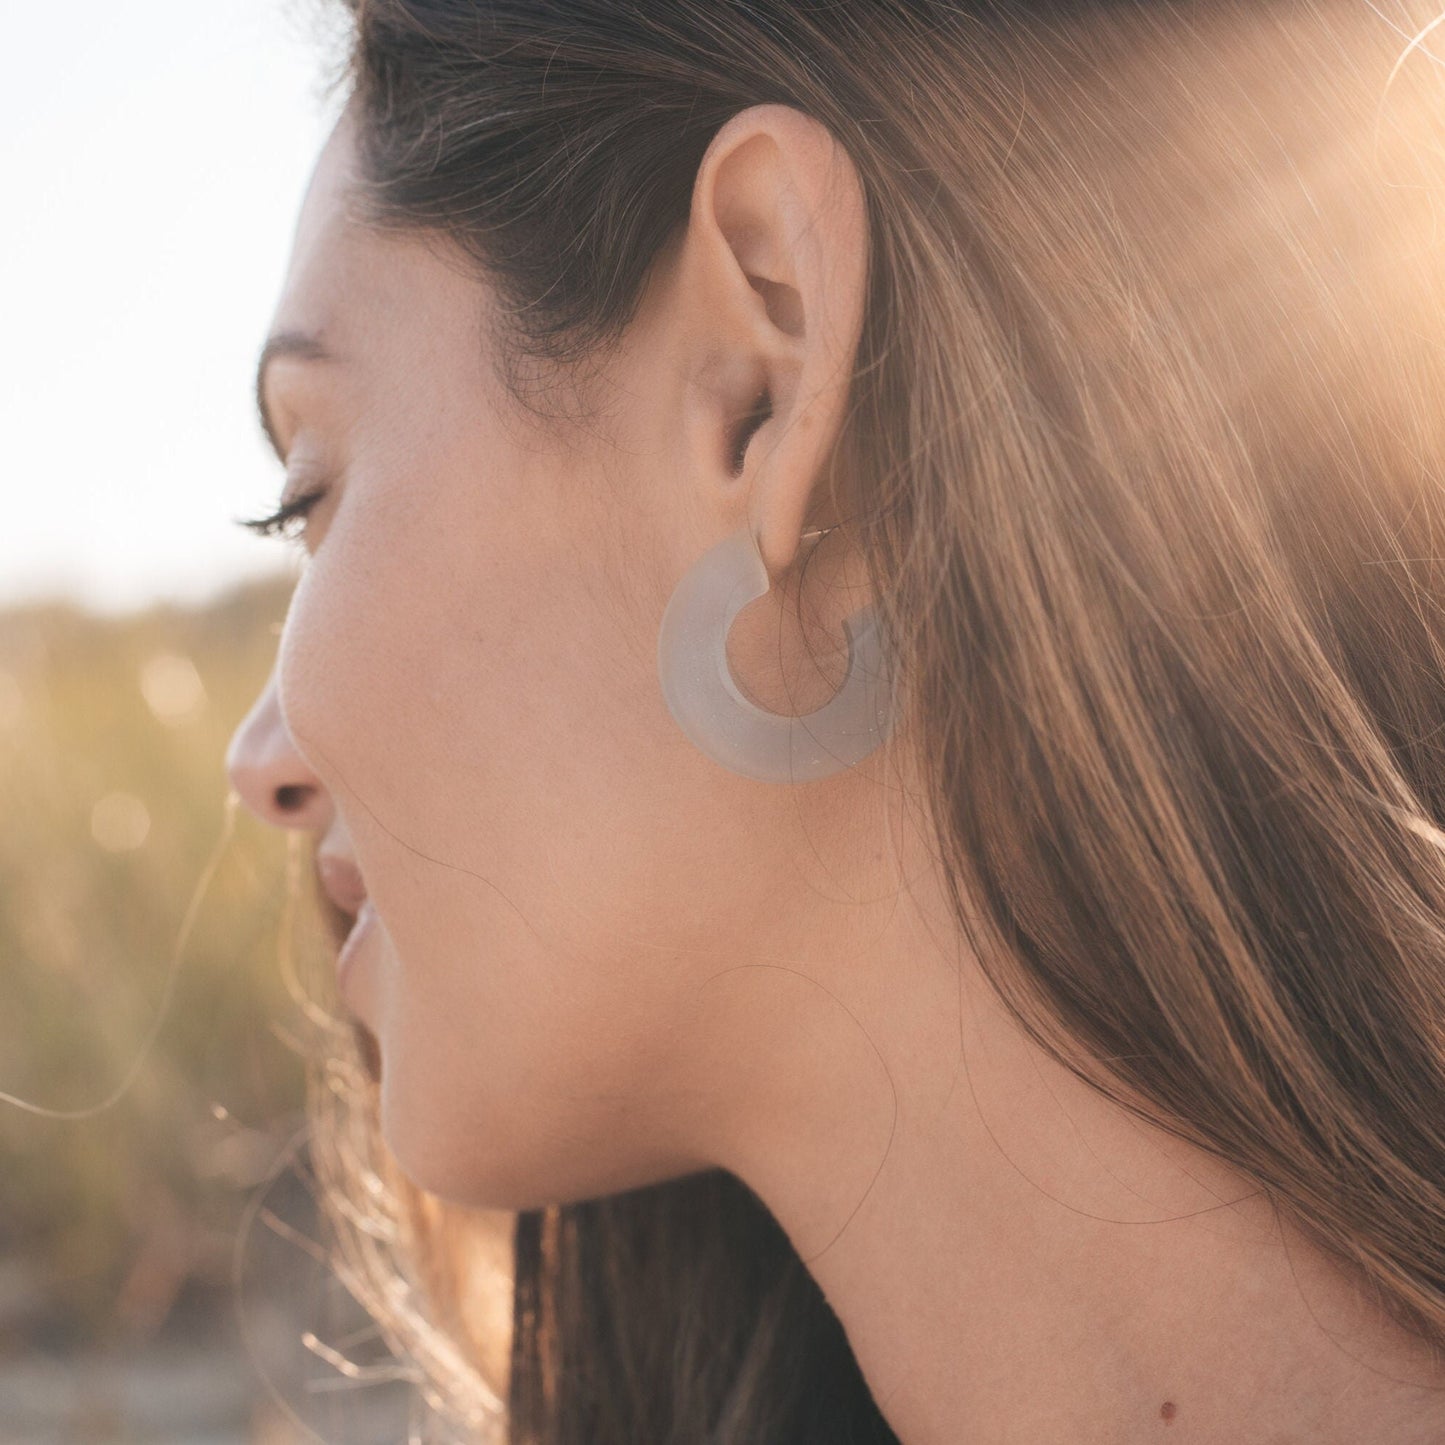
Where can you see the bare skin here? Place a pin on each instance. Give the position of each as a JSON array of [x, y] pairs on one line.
[[603, 961]]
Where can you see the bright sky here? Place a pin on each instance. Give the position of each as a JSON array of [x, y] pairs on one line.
[[153, 157]]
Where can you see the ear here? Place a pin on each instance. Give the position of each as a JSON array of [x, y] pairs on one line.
[[774, 270]]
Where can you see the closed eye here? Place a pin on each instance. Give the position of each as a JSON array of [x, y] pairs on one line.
[[281, 523]]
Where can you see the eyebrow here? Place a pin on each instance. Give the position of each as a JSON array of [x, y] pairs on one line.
[[300, 346]]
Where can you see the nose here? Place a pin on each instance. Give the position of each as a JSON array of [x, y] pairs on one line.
[[272, 778]]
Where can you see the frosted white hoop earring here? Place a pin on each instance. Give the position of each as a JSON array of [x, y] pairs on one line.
[[702, 696]]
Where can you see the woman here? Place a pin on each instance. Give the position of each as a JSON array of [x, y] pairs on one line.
[[1043, 1037]]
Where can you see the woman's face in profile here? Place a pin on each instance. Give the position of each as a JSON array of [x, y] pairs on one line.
[[467, 683]]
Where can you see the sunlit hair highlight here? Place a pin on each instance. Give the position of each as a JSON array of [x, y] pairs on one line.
[[1146, 440]]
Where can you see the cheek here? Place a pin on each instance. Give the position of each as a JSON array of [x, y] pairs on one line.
[[489, 722], [339, 685]]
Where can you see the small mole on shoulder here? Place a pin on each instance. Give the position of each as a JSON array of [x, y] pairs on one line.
[[1167, 1411]]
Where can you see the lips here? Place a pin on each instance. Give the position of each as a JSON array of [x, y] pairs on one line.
[[360, 930], [342, 882], [343, 885]]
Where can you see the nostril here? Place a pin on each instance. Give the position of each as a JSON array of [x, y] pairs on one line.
[[292, 796]]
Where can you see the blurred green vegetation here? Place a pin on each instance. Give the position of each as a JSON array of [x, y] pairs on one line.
[[113, 734]]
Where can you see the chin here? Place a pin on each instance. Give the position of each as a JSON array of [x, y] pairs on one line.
[[501, 1165]]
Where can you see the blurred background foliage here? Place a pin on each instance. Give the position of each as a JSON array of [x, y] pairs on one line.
[[113, 732]]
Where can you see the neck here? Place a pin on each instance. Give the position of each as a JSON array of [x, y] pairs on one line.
[[1014, 1256]]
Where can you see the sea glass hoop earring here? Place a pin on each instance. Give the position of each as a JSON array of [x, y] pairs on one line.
[[708, 705]]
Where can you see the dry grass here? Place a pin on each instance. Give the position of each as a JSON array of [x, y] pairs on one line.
[[112, 789]]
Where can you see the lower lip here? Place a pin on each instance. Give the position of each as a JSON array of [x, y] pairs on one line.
[[360, 929]]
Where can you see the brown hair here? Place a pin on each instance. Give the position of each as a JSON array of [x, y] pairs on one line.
[[1146, 408]]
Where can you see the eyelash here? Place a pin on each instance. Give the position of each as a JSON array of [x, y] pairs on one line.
[[279, 523]]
